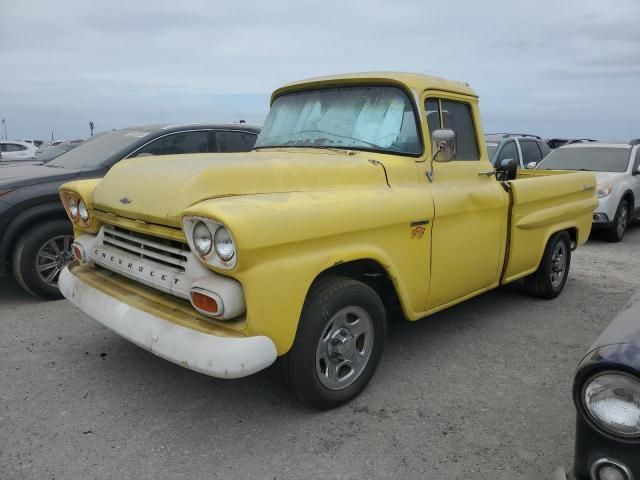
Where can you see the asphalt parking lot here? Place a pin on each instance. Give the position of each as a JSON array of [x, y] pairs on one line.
[[479, 391]]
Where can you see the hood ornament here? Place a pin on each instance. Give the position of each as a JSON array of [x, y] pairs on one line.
[[125, 200]]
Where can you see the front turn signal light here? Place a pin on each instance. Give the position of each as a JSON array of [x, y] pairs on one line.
[[206, 302]]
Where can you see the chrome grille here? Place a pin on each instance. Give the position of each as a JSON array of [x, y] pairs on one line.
[[166, 252]]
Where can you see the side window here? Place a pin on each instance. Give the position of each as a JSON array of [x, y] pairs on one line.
[[229, 141], [14, 147], [178, 143], [544, 148], [456, 116], [530, 151], [432, 108], [509, 150], [3, 147], [637, 162]]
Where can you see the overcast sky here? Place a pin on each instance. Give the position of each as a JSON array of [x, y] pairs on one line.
[[551, 67]]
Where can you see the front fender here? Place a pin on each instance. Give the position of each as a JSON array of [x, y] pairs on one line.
[[286, 240]]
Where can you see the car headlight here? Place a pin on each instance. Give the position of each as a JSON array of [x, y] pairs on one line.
[[76, 209], [612, 399], [223, 244], [604, 190], [211, 241], [73, 208], [82, 211], [202, 239]]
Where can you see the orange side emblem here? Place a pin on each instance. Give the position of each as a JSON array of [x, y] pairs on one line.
[[417, 232]]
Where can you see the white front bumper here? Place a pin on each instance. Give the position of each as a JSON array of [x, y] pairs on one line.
[[608, 206], [222, 357]]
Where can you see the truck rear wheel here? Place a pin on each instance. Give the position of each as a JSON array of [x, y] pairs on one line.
[[338, 345], [551, 276], [40, 255]]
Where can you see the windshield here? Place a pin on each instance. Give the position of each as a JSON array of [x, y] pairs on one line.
[[491, 149], [596, 159], [358, 118], [49, 153], [93, 152]]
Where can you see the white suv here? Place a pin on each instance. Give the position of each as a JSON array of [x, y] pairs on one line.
[[16, 150], [617, 170]]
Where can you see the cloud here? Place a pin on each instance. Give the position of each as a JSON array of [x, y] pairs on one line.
[[536, 66]]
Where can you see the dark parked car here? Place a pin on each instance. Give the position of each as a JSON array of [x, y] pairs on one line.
[[559, 142], [526, 150], [606, 392], [35, 234]]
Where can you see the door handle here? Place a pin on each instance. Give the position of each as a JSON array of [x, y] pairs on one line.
[[488, 173]]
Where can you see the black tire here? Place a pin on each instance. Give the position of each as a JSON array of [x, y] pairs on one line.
[[298, 368], [25, 259], [541, 283], [615, 233]]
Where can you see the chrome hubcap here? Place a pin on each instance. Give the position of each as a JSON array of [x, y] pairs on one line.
[[344, 348], [623, 220], [52, 257], [558, 264]]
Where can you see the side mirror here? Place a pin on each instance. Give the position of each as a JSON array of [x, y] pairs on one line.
[[507, 170], [532, 165], [443, 145], [637, 171]]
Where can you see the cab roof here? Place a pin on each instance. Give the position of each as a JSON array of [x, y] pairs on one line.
[[413, 81]]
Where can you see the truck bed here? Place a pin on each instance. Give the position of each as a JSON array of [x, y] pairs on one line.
[[544, 202]]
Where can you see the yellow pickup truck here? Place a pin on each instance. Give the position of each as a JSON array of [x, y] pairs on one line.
[[364, 192]]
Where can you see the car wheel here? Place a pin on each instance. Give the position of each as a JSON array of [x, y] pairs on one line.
[[551, 276], [338, 344], [40, 255], [616, 232]]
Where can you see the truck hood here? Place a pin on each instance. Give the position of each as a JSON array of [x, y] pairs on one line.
[[159, 189], [16, 175]]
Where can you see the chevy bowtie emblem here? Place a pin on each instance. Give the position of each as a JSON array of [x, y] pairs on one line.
[[125, 200]]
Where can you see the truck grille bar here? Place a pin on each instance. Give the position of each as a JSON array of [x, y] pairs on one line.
[[166, 252]]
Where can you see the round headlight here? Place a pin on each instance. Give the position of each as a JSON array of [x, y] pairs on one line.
[[73, 208], [202, 239], [82, 211], [613, 402], [223, 243]]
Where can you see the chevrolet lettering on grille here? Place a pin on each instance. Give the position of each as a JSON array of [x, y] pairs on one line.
[[140, 270]]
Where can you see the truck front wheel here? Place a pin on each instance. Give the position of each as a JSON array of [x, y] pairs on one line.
[[338, 345], [551, 276]]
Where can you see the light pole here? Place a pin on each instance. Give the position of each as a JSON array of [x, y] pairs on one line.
[[4, 126]]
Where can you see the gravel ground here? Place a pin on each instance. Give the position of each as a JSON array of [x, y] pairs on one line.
[[479, 391]]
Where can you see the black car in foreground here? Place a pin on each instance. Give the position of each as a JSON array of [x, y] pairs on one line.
[[35, 233], [606, 392]]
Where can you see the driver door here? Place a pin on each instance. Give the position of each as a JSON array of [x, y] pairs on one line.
[[471, 208]]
